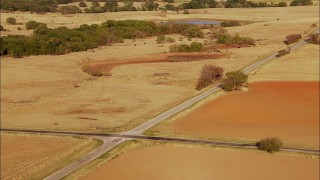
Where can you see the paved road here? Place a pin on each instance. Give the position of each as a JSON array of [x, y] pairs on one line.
[[119, 137], [110, 143]]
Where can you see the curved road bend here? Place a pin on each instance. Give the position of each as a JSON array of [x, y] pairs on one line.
[[112, 142]]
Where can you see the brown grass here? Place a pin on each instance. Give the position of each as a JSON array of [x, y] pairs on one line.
[[26, 156]]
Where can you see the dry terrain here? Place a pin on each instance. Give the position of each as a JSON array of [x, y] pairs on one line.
[[301, 65], [289, 110], [34, 157], [52, 92], [178, 162]]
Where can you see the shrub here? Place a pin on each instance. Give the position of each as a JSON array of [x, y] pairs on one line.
[[11, 20], [236, 39], [209, 74], [33, 25], [283, 52], [2, 28], [161, 39], [230, 23], [170, 40], [234, 80], [69, 10], [290, 39], [186, 11], [314, 39], [301, 3], [170, 7], [194, 32], [270, 145], [282, 4], [82, 4]]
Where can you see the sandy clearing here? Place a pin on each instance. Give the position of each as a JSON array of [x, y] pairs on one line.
[[172, 162], [289, 110], [301, 65], [34, 156]]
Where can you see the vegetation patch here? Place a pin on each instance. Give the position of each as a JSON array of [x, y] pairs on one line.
[[209, 75], [236, 39], [270, 145], [230, 23], [63, 40], [234, 80], [293, 38], [193, 47]]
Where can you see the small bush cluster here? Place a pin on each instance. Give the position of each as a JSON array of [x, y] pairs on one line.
[[283, 52], [170, 40], [314, 39], [293, 38], [301, 3], [236, 39], [209, 74], [11, 20], [230, 23], [234, 80], [2, 28], [193, 47], [34, 25], [82, 4], [69, 10], [161, 39], [270, 145]]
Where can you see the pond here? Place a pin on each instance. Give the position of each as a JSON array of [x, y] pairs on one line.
[[197, 22]]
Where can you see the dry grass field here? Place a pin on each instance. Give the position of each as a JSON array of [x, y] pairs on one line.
[[301, 65], [26, 156], [194, 162], [52, 92]]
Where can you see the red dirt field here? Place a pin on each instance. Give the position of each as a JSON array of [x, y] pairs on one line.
[[107, 65], [191, 163], [289, 110]]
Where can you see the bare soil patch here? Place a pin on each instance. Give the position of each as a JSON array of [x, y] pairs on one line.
[[104, 67], [289, 110], [173, 162]]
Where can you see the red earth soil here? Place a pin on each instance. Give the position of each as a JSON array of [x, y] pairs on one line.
[[107, 65], [289, 110], [191, 163]]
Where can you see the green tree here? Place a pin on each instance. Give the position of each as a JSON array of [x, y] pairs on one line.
[[161, 39], [234, 80], [82, 4], [111, 6]]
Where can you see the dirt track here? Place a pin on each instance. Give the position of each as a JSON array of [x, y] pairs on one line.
[[289, 110]]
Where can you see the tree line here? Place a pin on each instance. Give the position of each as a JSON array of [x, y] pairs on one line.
[[63, 40], [43, 6]]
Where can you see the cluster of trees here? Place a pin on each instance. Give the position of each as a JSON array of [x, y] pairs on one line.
[[209, 75], [234, 80], [63, 40], [314, 39], [301, 3], [38, 6], [193, 47], [236, 39], [293, 38], [270, 145]]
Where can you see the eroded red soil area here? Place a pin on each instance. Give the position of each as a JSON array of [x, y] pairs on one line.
[[289, 110]]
